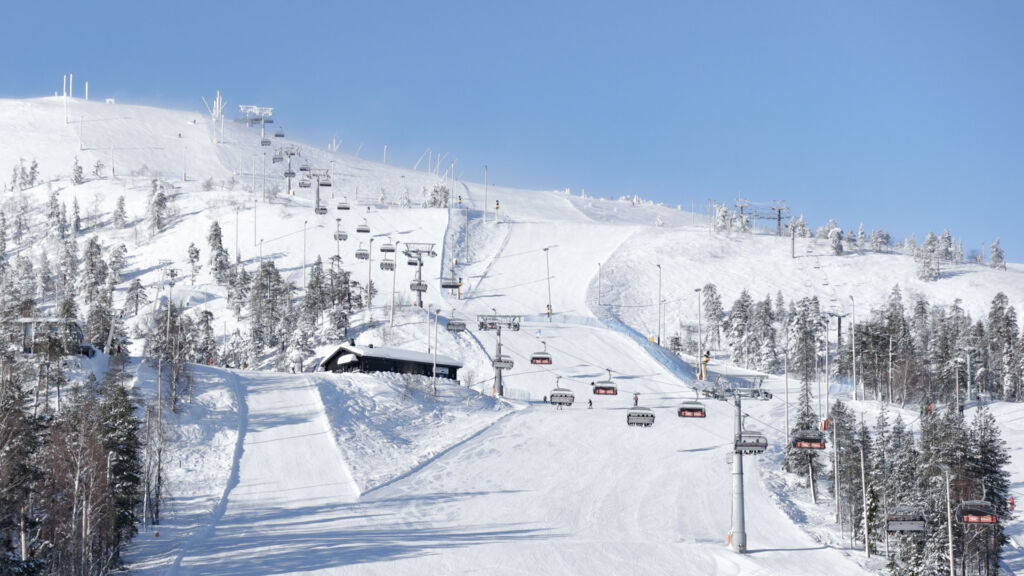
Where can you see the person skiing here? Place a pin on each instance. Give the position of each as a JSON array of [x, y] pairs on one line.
[[590, 405], [545, 399], [1011, 504], [635, 399]]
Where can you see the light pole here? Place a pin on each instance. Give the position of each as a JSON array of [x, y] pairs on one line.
[[369, 294], [436, 311], [547, 265], [853, 342], [304, 222], [394, 275], [696, 357], [598, 283], [659, 303]]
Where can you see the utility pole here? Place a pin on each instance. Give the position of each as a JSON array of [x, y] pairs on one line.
[[369, 272], [598, 283], [853, 343], [835, 466], [394, 275], [659, 303], [864, 496], [738, 534], [436, 311], [700, 339], [547, 263], [304, 222]]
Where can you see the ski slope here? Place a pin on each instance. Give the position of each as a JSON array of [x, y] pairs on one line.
[[275, 473]]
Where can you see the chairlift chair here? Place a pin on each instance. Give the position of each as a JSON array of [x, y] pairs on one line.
[[905, 519], [562, 397], [304, 183], [363, 228], [341, 235], [279, 133], [325, 182], [362, 253], [977, 512], [450, 283], [414, 261], [692, 409], [640, 417], [606, 387], [454, 325], [321, 210], [503, 362], [265, 142], [418, 286], [343, 206], [278, 158], [750, 442], [387, 247], [387, 265], [541, 357], [289, 173], [304, 168], [809, 439]]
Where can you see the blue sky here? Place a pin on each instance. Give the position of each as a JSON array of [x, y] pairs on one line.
[[905, 116]]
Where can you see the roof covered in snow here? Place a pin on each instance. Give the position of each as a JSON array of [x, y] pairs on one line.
[[391, 354]]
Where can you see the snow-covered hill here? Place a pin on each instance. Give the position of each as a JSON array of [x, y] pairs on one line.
[[282, 473]]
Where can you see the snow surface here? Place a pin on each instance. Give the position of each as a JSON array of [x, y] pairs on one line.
[[275, 473]]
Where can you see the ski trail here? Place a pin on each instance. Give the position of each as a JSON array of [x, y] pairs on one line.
[[221, 507]]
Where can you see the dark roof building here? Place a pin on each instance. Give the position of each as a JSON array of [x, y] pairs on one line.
[[352, 358]]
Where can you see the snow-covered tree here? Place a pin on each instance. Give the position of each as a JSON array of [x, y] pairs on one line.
[[996, 259], [76, 173], [120, 215], [193, 260], [835, 240]]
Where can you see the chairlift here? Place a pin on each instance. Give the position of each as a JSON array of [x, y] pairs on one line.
[[304, 183], [413, 261], [325, 182], [289, 173], [977, 512], [304, 168], [502, 362], [265, 142], [541, 357], [562, 397], [809, 439], [362, 253], [343, 206], [418, 286], [692, 409], [606, 387], [321, 210], [905, 519], [363, 228], [279, 133], [454, 325], [277, 159], [341, 235], [387, 265], [640, 417], [387, 247], [450, 283], [750, 442]]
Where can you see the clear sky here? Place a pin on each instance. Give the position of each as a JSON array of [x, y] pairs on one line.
[[907, 116]]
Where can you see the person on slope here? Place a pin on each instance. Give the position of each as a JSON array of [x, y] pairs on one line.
[[636, 399], [590, 404]]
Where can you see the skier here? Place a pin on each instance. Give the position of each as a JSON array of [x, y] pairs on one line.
[[590, 405], [635, 399], [1011, 504], [545, 399]]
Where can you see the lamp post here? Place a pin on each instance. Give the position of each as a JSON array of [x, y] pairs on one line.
[[304, 222], [853, 342], [369, 273], [700, 338], [547, 265], [394, 275], [659, 303]]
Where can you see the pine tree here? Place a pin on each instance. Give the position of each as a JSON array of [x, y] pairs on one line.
[[996, 259], [33, 174], [193, 260], [119, 433], [157, 212], [136, 296], [738, 328], [219, 261], [835, 240], [76, 218], [120, 215], [76, 173], [714, 315]]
